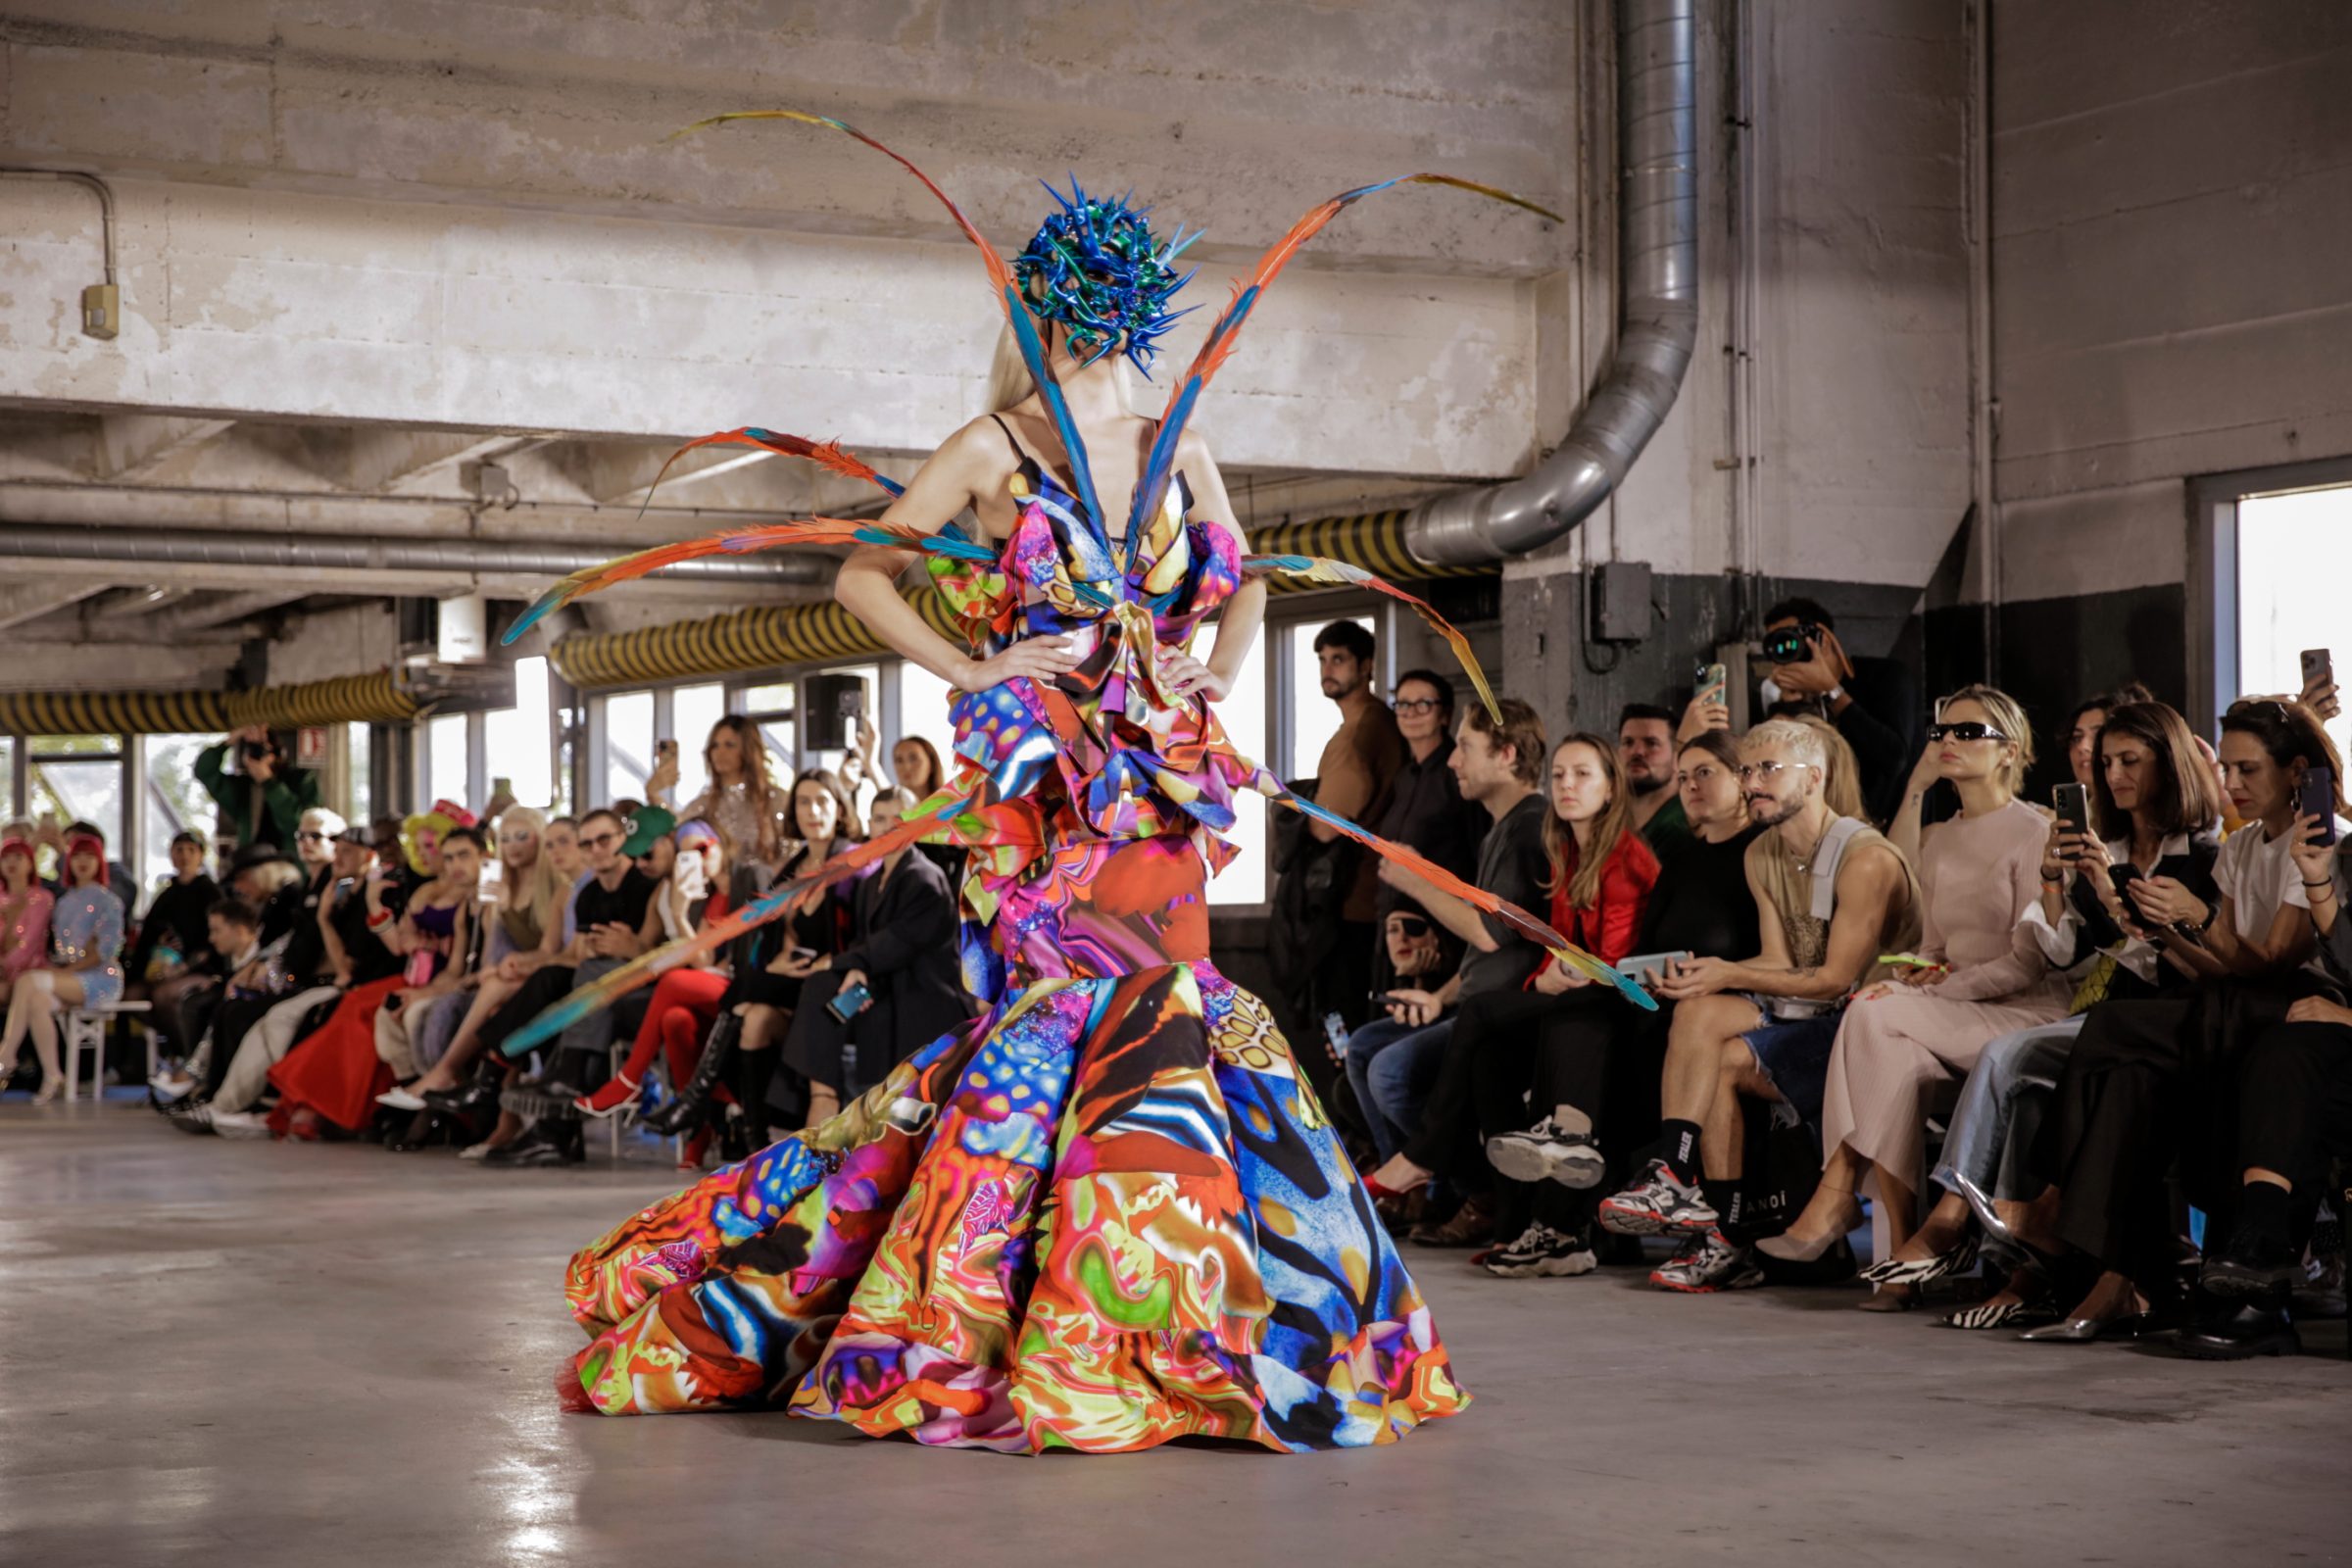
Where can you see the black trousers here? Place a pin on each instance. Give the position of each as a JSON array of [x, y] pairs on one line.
[[1523, 1053], [546, 986], [2151, 1084], [2294, 1107], [229, 1028]]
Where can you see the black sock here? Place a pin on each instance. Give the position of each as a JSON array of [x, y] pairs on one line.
[[1682, 1151], [754, 1071], [1734, 1209], [2263, 1212]]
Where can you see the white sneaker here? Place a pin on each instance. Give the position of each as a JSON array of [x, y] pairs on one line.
[[239, 1124], [171, 1091], [1548, 1152]]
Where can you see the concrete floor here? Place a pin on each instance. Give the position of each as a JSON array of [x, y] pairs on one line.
[[253, 1354]]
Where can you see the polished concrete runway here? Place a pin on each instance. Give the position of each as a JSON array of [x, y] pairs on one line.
[[251, 1354]]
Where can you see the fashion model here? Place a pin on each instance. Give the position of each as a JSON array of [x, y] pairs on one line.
[[1108, 1212]]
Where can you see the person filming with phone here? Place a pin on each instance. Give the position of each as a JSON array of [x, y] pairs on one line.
[[261, 796]]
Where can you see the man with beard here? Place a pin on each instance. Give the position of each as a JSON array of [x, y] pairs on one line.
[[1832, 895], [1333, 905], [1646, 751]]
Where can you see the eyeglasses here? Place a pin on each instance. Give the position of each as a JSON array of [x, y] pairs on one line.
[[1417, 704], [1749, 772], [1965, 730], [598, 841]]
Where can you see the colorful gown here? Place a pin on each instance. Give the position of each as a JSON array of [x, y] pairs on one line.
[[1109, 1211]]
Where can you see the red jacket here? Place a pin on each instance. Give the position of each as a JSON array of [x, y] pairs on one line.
[[1607, 930]]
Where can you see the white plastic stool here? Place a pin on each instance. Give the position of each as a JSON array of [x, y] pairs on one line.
[[85, 1030]]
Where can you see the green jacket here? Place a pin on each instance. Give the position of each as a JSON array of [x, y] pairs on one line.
[[274, 819]]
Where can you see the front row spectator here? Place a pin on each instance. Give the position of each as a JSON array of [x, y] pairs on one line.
[[1392, 1062], [1832, 895], [86, 941], [170, 957], [24, 911]]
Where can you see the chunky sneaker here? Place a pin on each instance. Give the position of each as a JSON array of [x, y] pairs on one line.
[[1543, 1251], [1547, 1153], [1708, 1263], [1657, 1205]]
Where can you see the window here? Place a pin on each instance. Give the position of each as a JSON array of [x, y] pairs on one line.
[[629, 746], [693, 710], [772, 708], [445, 759], [923, 700], [1314, 717], [516, 743], [8, 776], [173, 803], [79, 779], [361, 738], [2290, 591]]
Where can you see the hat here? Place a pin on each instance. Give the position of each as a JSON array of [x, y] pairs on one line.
[[254, 854], [444, 816], [21, 845], [356, 837], [650, 824], [92, 844]]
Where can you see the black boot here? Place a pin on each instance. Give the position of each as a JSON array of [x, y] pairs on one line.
[[686, 1109], [754, 1072]]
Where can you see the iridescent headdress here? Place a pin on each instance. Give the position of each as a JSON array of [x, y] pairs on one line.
[[1096, 268]]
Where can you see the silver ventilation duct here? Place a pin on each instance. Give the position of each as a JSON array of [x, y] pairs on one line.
[[281, 552], [1657, 309]]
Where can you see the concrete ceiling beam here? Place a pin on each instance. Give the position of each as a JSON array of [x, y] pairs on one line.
[[131, 446], [23, 600]]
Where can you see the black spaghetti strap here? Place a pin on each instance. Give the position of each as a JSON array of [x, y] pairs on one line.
[[1019, 455]]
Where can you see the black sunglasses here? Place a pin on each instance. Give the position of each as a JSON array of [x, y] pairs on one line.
[[1411, 925], [1968, 730]]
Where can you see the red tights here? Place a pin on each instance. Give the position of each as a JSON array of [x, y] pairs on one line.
[[684, 1006]]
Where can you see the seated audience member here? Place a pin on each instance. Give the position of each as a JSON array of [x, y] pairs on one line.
[[1646, 756], [439, 935], [614, 918], [915, 763], [25, 907], [263, 801], [1392, 1062], [529, 924], [2155, 806], [85, 970], [1832, 895], [902, 953], [685, 1000], [270, 880], [1909, 828], [293, 964], [1599, 873], [771, 979], [330, 1079], [1923, 1028], [1871, 700], [2149, 1081], [2294, 1099], [167, 959], [1610, 1059], [58, 841]]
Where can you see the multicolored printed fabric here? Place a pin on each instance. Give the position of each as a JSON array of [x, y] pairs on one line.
[[1109, 1212]]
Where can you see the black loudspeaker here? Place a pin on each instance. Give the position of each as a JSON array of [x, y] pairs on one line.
[[834, 705]]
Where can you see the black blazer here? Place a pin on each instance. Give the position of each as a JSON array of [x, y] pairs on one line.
[[2192, 870], [906, 945]]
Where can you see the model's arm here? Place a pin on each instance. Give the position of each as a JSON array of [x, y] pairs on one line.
[[972, 464], [1246, 611]]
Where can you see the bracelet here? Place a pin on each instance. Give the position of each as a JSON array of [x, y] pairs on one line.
[[2319, 884], [380, 920]]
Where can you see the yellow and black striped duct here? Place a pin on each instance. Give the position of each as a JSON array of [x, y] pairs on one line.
[[1372, 540], [798, 634], [349, 700], [758, 638]]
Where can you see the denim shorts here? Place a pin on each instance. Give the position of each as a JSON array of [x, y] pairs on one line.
[[1794, 1053]]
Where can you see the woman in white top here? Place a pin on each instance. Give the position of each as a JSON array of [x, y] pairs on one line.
[[2141, 1070]]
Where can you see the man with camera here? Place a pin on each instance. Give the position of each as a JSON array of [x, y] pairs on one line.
[[1873, 702], [261, 801]]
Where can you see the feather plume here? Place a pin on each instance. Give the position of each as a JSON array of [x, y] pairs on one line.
[[828, 455]]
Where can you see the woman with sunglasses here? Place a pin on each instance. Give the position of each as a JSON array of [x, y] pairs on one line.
[[2155, 807], [1979, 876]]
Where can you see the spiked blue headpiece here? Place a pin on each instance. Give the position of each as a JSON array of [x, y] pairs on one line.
[[1096, 267]]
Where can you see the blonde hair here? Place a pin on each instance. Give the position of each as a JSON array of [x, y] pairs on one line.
[[1801, 741], [1010, 385], [1841, 772], [318, 819], [541, 888], [2008, 717]]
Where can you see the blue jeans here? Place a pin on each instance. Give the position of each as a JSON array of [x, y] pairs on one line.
[[1392, 1067], [2001, 1109]]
